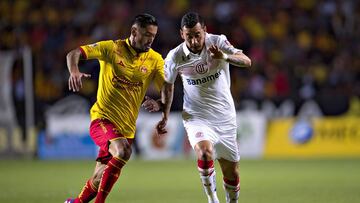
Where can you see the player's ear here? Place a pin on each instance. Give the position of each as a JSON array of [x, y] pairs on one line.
[[133, 31], [182, 34], [204, 28]]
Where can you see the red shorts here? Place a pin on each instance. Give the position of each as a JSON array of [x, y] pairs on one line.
[[102, 131]]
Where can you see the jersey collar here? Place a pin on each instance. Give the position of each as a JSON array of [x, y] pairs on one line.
[[185, 49]]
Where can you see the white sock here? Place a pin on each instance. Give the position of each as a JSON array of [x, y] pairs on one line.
[[232, 193], [209, 184]]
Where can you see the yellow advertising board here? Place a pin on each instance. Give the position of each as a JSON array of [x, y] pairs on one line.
[[321, 137]]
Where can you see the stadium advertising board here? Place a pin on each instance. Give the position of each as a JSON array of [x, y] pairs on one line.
[[251, 133], [318, 137], [64, 140], [66, 137], [152, 146]]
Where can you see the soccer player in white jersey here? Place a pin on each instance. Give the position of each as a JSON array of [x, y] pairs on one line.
[[209, 115]]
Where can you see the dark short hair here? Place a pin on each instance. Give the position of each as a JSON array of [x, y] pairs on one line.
[[144, 20], [190, 19]]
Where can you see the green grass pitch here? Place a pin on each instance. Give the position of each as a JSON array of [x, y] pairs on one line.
[[263, 181]]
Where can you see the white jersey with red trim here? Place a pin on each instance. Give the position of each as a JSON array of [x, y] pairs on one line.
[[206, 81]]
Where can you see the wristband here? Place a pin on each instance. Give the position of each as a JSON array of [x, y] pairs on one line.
[[225, 56]]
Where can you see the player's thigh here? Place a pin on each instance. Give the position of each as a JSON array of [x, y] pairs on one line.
[[230, 169], [198, 131]]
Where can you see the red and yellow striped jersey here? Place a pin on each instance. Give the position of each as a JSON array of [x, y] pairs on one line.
[[123, 80]]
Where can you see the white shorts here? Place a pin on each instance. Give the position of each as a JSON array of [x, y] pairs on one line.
[[223, 138]]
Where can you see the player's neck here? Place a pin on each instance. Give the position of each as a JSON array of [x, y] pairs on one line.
[[132, 44], [195, 52]]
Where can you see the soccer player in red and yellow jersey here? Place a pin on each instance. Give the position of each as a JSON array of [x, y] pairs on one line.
[[127, 67]]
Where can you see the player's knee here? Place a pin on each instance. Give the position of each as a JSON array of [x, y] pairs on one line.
[[235, 174], [127, 152], [205, 154], [123, 152], [121, 149]]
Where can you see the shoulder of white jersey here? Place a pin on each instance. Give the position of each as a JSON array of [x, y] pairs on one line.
[[213, 39], [175, 55], [222, 42]]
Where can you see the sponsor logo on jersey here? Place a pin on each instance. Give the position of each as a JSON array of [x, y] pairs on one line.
[[201, 68], [122, 83], [204, 79]]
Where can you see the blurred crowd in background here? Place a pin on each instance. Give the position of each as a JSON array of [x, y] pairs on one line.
[[300, 49]]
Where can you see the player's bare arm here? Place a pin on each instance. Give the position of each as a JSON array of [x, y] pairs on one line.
[[164, 104], [72, 60], [167, 93], [237, 59]]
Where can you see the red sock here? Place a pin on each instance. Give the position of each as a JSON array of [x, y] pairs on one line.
[[233, 183], [206, 167], [88, 193], [109, 177]]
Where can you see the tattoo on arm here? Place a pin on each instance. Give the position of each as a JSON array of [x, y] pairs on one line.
[[240, 60]]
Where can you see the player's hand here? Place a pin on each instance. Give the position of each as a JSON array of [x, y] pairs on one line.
[[151, 105], [75, 82], [160, 127], [216, 53]]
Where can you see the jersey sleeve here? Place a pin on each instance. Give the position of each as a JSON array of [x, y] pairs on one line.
[[159, 74], [226, 46], [170, 69], [99, 50]]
